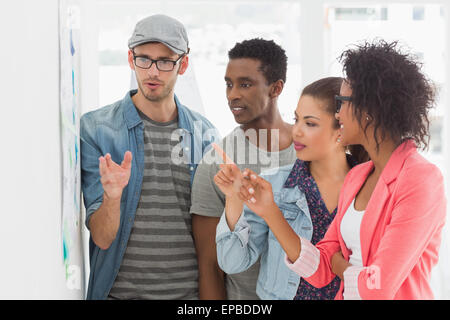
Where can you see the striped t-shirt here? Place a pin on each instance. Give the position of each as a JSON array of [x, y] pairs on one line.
[[160, 259]]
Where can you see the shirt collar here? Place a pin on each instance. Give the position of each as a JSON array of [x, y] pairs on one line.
[[133, 119], [397, 159], [298, 175], [131, 115]]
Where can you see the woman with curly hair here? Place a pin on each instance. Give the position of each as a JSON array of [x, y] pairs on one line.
[[386, 235]]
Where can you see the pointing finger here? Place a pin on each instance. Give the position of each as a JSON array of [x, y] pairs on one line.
[[226, 159]]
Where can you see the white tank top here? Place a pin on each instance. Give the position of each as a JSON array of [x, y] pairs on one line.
[[350, 231]]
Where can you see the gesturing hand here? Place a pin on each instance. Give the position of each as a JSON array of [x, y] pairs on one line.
[[229, 177], [257, 194], [114, 177]]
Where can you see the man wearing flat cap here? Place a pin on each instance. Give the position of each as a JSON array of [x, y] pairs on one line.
[[138, 159]]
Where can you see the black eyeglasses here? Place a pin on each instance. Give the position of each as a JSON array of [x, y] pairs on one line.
[[162, 65], [338, 101]]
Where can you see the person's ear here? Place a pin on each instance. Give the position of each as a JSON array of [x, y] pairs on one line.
[[276, 88], [337, 134], [131, 60], [184, 63]]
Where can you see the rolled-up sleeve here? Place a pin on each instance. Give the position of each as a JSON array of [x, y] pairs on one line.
[[308, 261], [314, 262], [241, 230], [239, 249]]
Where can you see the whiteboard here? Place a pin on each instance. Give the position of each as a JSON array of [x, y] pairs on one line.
[[71, 223]]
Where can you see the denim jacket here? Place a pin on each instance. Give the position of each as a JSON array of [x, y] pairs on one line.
[[115, 129], [239, 249]]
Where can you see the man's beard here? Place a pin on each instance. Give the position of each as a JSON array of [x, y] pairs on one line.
[[166, 91]]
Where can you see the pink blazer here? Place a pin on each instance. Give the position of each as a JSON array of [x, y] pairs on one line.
[[400, 232]]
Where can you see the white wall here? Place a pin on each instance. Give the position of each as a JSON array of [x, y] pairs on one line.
[[31, 262]]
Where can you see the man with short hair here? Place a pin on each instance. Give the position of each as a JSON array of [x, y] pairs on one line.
[[254, 79], [137, 210]]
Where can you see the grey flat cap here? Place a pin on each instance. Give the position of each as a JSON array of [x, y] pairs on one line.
[[160, 28]]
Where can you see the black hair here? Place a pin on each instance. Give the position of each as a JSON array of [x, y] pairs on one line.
[[390, 88], [272, 57], [325, 90]]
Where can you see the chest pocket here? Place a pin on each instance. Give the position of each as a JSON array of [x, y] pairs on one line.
[[290, 212]]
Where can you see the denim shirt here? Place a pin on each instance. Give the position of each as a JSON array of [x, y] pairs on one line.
[[115, 129], [239, 249]]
